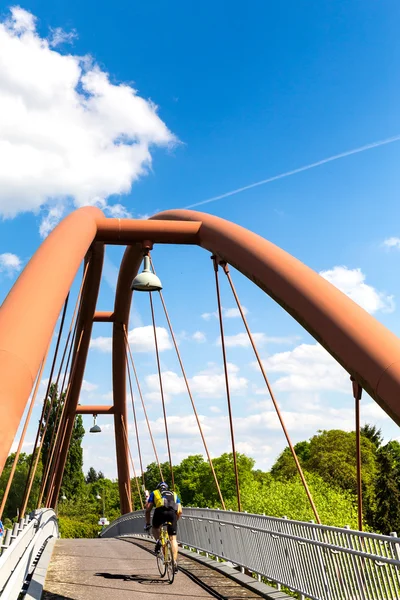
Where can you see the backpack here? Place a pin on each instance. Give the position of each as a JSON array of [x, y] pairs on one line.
[[167, 499]]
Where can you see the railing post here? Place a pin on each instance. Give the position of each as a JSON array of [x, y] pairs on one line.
[[321, 561], [394, 545], [358, 572], [6, 540], [15, 532]]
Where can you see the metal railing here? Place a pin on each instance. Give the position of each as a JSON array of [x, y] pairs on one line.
[[317, 561], [21, 547]]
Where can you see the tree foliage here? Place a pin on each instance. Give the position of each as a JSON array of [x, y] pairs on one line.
[[15, 496], [328, 460], [73, 479], [93, 476]]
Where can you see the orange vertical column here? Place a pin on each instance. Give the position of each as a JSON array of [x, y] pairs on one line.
[[129, 267]]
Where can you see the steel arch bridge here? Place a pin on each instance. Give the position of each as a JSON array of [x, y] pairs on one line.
[[364, 347], [319, 562]]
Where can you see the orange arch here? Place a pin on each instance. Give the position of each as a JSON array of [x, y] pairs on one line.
[[364, 347]]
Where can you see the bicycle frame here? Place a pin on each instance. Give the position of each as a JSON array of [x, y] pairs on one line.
[[165, 554]]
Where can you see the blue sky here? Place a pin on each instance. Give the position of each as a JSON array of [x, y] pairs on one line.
[[242, 95]]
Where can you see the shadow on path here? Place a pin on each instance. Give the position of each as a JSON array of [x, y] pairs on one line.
[[142, 579]]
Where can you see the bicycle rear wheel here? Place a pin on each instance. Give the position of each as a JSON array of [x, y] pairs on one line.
[[162, 567], [169, 562]]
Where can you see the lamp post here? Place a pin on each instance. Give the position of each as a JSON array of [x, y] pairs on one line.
[[98, 497]]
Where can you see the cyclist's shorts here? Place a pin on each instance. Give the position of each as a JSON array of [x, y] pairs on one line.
[[165, 515]]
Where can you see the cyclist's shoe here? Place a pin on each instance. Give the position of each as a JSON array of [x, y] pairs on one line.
[[158, 547], [175, 567]]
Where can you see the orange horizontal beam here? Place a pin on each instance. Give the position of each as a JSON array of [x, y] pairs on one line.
[[130, 231], [95, 410], [103, 317]]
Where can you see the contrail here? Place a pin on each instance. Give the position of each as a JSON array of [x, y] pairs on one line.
[[390, 140]]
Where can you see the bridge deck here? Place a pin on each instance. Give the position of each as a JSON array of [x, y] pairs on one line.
[[113, 569]]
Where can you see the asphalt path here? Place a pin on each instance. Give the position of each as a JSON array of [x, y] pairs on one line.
[[111, 569]]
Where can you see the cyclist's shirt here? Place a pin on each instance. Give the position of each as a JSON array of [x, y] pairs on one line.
[[165, 499], [167, 504]]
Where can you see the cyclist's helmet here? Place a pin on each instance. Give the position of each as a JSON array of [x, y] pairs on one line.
[[162, 486]]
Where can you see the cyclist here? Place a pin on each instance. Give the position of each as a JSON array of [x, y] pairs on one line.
[[168, 509]]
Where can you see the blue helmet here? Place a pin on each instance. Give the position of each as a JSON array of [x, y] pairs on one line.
[[162, 486]]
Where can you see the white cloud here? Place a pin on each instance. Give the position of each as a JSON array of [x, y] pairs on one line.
[[118, 211], [181, 426], [352, 283], [59, 36], [199, 336], [88, 387], [227, 313], [234, 313], [251, 431], [68, 136], [308, 367], [9, 263], [21, 20], [172, 385], [209, 383], [141, 339], [26, 446], [393, 242], [50, 220], [215, 409], [241, 340]]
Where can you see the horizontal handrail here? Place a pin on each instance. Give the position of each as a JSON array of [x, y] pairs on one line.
[[22, 547], [317, 561]]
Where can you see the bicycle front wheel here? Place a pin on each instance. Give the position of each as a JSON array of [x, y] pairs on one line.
[[161, 564], [169, 562]]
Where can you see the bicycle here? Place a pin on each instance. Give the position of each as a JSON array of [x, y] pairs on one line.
[[165, 559]]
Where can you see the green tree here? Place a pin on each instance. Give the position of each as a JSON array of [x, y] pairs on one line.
[[194, 478], [372, 433], [285, 467], [92, 476], [18, 484], [278, 498], [152, 475], [386, 517], [73, 478], [51, 418], [333, 457], [224, 469]]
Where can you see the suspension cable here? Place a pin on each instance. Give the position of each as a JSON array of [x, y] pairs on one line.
[[52, 484], [161, 390], [228, 395], [53, 457], [53, 397], [190, 395], [30, 476], [271, 393], [134, 417], [142, 401], [57, 457], [60, 409], [132, 463], [357, 393], [22, 438]]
